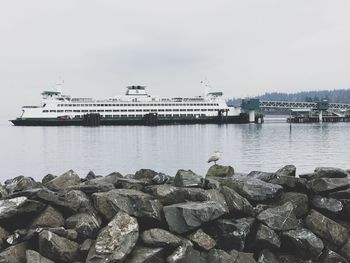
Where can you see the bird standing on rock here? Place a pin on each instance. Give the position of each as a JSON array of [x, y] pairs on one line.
[[215, 157]]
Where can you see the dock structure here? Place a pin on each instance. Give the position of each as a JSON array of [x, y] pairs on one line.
[[301, 112]]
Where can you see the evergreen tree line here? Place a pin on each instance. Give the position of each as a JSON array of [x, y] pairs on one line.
[[336, 96]]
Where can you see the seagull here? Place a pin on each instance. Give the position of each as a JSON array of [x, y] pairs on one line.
[[215, 157]]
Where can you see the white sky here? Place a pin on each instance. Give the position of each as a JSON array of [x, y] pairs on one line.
[[242, 48]]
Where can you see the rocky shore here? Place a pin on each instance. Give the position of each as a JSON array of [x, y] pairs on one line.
[[152, 217]]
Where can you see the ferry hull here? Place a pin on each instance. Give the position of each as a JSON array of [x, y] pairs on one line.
[[242, 118]]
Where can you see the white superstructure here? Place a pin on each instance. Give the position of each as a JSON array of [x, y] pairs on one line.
[[135, 103]]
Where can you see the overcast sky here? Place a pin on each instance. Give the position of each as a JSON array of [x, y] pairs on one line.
[[242, 48]]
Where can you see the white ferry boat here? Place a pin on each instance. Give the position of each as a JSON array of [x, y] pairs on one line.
[[135, 107]]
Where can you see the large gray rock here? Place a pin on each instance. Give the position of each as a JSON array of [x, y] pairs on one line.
[[329, 256], [14, 254], [187, 178], [50, 217], [147, 174], [324, 185], [20, 183], [47, 178], [326, 228], [187, 216], [115, 242], [288, 170], [133, 202], [130, 183], [330, 172], [267, 238], [19, 206], [162, 179], [167, 194], [303, 243], [231, 233], [56, 248], [3, 235], [291, 183], [266, 256], [220, 171], [300, 202], [105, 180], [345, 250], [219, 256], [60, 182], [263, 176], [236, 203], [239, 256], [69, 202], [92, 188], [327, 205], [157, 237], [202, 240], [342, 194], [146, 255], [279, 218], [86, 225], [253, 189], [34, 257], [184, 254]]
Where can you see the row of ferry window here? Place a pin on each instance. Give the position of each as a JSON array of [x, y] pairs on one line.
[[110, 105], [151, 110], [139, 115]]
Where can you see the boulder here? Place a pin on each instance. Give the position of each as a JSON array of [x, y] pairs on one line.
[[329, 256], [14, 254], [3, 235], [47, 178], [133, 202], [254, 190], [202, 240], [56, 248], [166, 194], [279, 218], [291, 183], [129, 183], [231, 233], [329, 172], [85, 247], [19, 184], [115, 242], [146, 255], [34, 257], [187, 178], [236, 203], [239, 257], [86, 225], [147, 174], [162, 179], [326, 205], [266, 256], [184, 254], [219, 256], [303, 243], [60, 182], [325, 185], [345, 250], [69, 202], [50, 217], [91, 175], [220, 171], [266, 238], [300, 202], [263, 176], [187, 216], [92, 188], [210, 183], [157, 237], [342, 194], [19, 207], [288, 170], [326, 228]]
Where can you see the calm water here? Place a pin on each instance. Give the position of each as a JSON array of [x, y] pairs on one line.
[[36, 151]]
